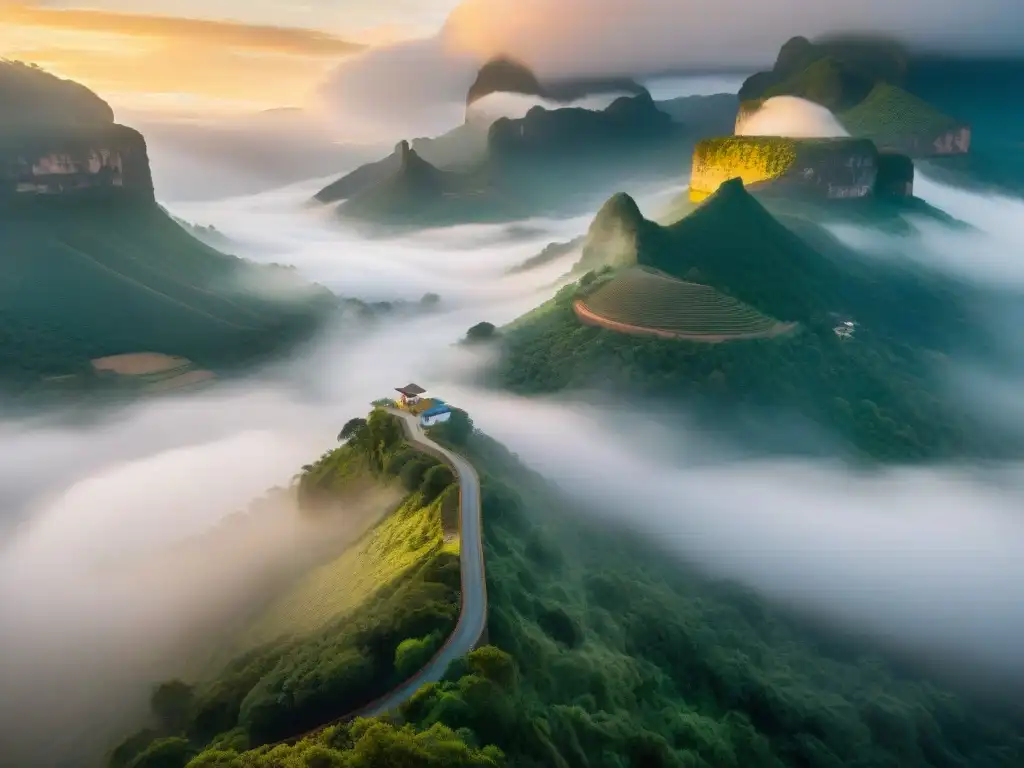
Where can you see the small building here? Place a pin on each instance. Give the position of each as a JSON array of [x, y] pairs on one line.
[[438, 414], [411, 394]]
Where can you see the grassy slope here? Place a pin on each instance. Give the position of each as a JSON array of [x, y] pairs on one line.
[[889, 111], [406, 538], [332, 643], [84, 280]]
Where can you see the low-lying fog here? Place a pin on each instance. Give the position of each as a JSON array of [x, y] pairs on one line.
[[95, 607]]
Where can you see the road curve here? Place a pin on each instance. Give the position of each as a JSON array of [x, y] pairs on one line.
[[473, 613]]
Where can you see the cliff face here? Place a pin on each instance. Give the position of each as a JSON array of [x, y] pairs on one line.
[[59, 138], [111, 160], [820, 168]]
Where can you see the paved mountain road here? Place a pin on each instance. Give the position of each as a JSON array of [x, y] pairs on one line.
[[473, 614]]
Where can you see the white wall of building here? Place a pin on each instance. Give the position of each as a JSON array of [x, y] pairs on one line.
[[436, 419]]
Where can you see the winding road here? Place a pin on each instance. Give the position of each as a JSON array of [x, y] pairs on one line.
[[473, 614]]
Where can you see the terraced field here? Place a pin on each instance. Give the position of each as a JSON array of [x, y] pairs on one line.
[[645, 302]]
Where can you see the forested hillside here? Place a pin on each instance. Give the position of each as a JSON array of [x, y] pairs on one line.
[[344, 633], [606, 655]]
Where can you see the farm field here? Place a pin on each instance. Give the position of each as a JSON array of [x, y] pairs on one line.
[[645, 301], [154, 372]]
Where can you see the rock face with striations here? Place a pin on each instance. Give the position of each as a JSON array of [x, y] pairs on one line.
[[839, 168], [58, 138]]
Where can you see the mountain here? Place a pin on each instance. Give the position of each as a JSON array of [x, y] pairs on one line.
[[713, 115], [57, 137], [505, 75], [546, 134], [94, 268], [875, 393], [418, 194], [602, 651], [549, 161], [362, 178], [836, 72], [863, 81]]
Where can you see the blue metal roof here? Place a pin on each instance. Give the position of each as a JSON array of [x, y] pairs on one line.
[[437, 410]]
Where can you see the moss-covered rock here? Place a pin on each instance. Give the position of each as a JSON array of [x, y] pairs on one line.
[[829, 168], [899, 121]]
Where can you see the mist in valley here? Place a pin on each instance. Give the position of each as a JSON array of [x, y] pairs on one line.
[[114, 563]]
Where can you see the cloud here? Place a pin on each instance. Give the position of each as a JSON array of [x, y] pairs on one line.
[[130, 57], [930, 557], [580, 36], [231, 34], [929, 560], [642, 37], [791, 116]]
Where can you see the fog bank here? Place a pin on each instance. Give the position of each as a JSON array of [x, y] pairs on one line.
[[96, 513], [931, 560], [425, 81], [794, 117]]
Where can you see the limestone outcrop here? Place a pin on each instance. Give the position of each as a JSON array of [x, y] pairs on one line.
[[830, 169], [59, 138]]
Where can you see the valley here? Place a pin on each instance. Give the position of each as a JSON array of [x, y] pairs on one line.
[[716, 463]]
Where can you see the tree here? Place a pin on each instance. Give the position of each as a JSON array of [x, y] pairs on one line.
[[480, 332], [435, 481], [430, 300], [493, 664], [456, 430], [412, 654], [164, 753], [171, 703], [415, 470], [352, 428]]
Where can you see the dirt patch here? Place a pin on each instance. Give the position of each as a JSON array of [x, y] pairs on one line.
[[588, 317], [139, 363]]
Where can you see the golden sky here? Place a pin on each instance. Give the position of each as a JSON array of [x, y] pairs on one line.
[[204, 55]]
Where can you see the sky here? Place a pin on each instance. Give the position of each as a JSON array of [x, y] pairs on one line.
[[205, 55], [362, 55]]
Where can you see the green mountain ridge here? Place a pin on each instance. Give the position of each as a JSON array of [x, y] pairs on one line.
[[877, 394], [92, 267], [549, 161], [83, 280], [605, 652]]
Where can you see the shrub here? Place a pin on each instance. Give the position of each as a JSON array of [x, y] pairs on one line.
[[413, 654]]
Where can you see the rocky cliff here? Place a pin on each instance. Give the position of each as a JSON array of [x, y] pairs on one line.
[[59, 138], [818, 168]]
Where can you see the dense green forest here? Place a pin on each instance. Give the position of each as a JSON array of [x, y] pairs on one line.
[[290, 685], [877, 395], [88, 278], [605, 654]]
